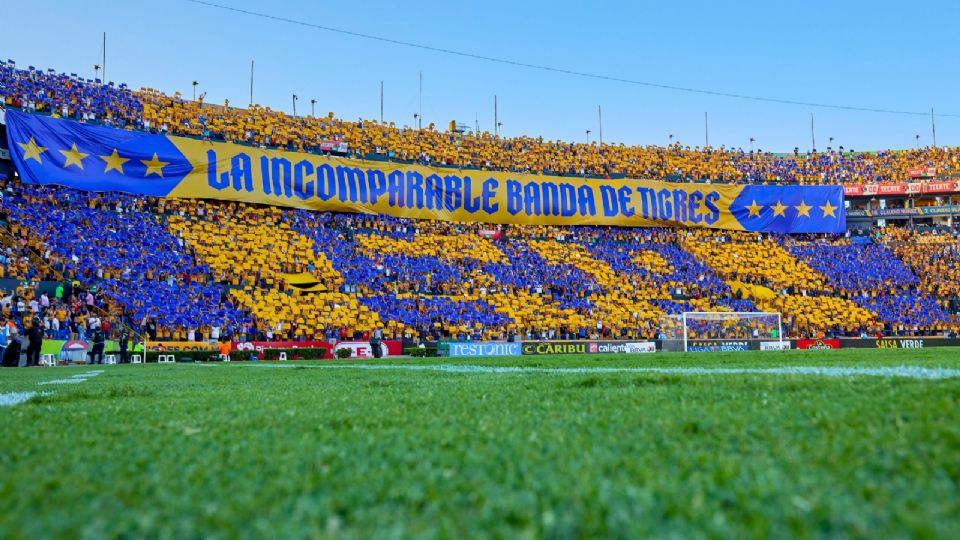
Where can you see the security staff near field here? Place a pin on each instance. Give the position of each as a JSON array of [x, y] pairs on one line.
[[99, 340], [376, 343], [34, 342], [124, 342]]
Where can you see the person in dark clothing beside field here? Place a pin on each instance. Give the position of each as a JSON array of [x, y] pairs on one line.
[[34, 342], [124, 343], [99, 340]]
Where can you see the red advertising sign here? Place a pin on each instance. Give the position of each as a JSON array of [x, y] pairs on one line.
[[939, 187], [818, 344], [900, 189], [891, 189], [361, 349], [853, 191], [923, 172], [261, 345]]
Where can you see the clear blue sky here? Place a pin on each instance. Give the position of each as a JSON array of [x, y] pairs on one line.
[[879, 54]]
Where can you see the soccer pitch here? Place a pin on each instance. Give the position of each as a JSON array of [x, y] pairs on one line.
[[850, 443]]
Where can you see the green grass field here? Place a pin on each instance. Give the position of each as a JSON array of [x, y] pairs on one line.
[[305, 450]]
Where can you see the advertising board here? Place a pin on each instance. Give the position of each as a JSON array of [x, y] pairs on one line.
[[489, 348], [587, 347], [901, 343], [717, 345], [361, 349], [818, 344]]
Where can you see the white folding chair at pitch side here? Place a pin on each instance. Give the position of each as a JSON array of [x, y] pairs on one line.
[[110, 359], [283, 357], [166, 359], [136, 359], [48, 360], [224, 357]]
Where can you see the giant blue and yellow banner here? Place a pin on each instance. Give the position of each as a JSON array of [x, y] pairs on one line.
[[54, 151]]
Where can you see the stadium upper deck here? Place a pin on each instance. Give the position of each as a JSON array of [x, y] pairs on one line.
[[72, 97]]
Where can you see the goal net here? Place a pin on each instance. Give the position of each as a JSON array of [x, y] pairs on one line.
[[721, 331]]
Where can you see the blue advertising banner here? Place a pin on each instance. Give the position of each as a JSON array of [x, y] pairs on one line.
[[489, 348]]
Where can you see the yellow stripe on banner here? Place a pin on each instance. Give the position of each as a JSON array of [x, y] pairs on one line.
[[242, 173]]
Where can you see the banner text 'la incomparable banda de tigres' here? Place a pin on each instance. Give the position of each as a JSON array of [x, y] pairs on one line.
[[53, 151]]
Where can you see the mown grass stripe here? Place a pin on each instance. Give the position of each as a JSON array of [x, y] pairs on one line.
[[910, 372]]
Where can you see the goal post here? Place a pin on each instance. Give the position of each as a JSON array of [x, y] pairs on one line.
[[717, 328]]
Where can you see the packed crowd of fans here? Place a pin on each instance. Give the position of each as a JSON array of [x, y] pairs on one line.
[[197, 270], [70, 96]]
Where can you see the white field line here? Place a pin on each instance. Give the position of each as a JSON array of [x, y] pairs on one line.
[[13, 398], [909, 372], [74, 379]]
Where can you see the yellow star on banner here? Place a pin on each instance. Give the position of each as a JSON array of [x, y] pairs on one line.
[[154, 166], [32, 151], [754, 209], [829, 210], [803, 209], [779, 210], [114, 162], [73, 157]]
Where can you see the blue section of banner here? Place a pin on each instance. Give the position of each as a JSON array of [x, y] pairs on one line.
[[484, 349], [47, 150], [791, 209]]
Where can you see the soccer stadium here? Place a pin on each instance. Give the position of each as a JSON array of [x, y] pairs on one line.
[[237, 321]]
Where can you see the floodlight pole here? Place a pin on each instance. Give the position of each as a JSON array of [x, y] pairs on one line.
[[813, 137], [933, 127], [600, 119]]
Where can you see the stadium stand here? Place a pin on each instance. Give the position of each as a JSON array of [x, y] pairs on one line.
[[185, 269], [72, 97], [194, 267]]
